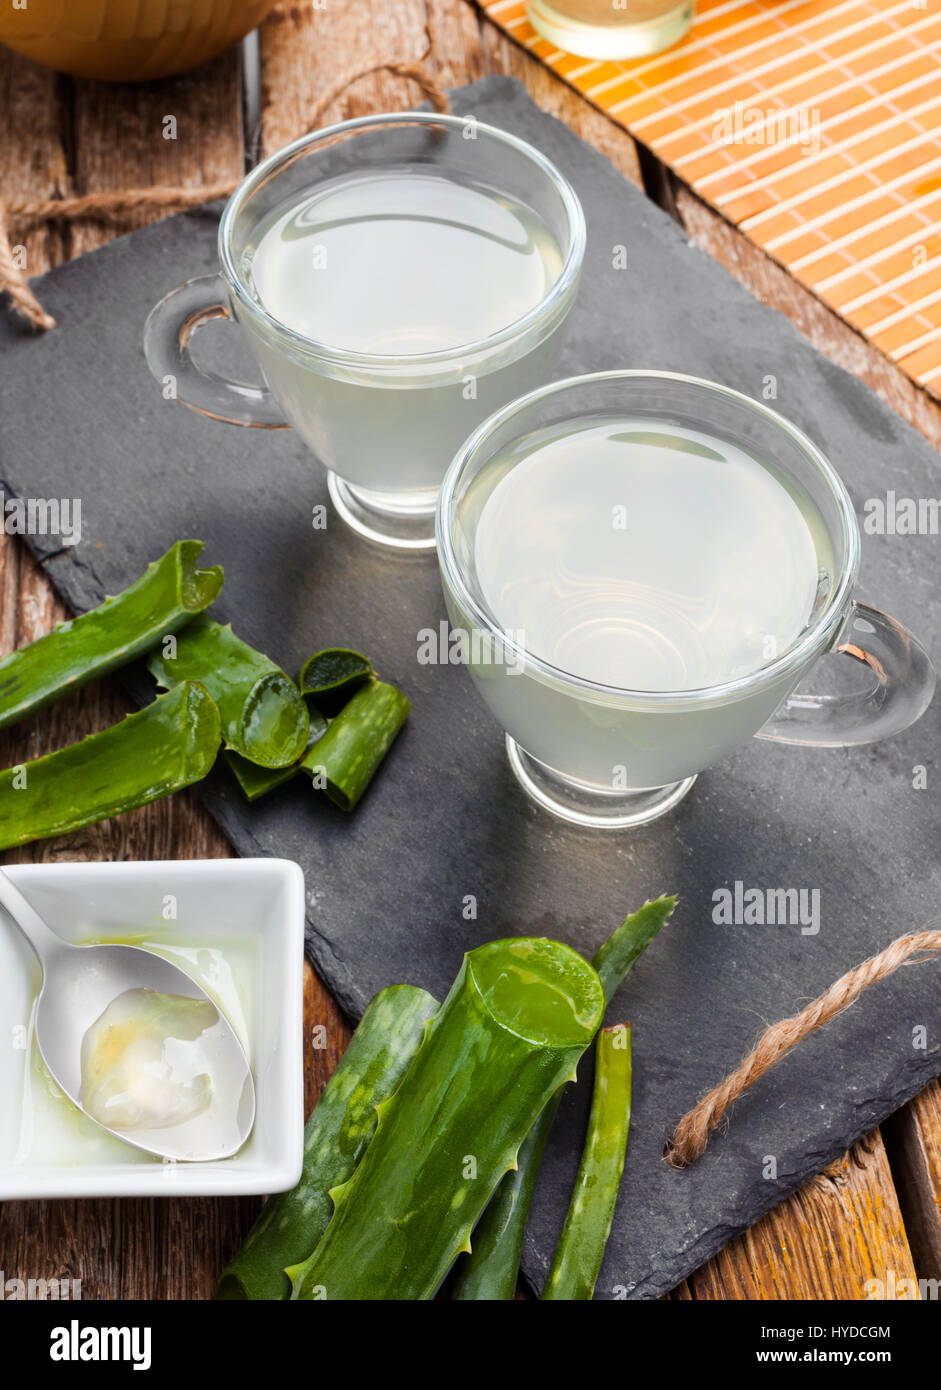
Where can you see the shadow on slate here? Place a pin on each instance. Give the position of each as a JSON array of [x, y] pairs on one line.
[[81, 417]]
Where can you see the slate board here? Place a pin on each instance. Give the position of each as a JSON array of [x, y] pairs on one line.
[[82, 417]]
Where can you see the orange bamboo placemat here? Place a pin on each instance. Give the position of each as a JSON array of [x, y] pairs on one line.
[[814, 126]]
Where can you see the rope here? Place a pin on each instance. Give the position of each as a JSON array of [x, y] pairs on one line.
[[693, 1132]]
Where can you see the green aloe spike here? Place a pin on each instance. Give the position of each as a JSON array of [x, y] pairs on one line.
[[519, 1015], [170, 744], [580, 1251], [168, 595], [338, 1131], [491, 1271], [263, 716]]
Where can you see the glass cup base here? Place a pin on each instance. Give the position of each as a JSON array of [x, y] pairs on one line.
[[385, 518], [578, 805]]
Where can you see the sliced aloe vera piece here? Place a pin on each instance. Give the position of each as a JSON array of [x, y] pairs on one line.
[[256, 781], [337, 1133], [167, 596], [580, 1251], [490, 1271], [344, 761], [518, 1017], [330, 677], [168, 745], [264, 718]]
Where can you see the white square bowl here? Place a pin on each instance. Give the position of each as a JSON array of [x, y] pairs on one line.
[[254, 905]]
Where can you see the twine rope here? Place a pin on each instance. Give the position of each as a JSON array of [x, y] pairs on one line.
[[114, 208], [692, 1134]]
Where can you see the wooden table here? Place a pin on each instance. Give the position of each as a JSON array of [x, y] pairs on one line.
[[879, 1207]]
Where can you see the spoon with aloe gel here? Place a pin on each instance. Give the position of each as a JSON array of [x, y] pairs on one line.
[[137, 1045]]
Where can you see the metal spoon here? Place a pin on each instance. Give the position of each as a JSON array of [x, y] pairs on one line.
[[79, 982]]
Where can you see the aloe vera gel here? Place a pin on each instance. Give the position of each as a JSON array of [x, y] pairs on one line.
[[128, 1063], [147, 1061]]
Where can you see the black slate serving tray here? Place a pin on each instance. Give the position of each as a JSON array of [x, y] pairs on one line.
[[81, 417]]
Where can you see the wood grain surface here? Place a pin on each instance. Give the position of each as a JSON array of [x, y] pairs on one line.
[[880, 1207]]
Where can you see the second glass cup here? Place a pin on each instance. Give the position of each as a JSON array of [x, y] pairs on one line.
[[645, 565], [397, 279]]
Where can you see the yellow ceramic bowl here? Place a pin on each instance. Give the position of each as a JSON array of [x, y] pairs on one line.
[[127, 40]]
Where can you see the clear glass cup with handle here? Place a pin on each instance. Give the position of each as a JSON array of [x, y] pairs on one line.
[[602, 755], [396, 278]]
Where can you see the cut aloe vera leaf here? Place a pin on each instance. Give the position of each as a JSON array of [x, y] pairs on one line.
[[519, 1015], [256, 781], [580, 1251], [170, 744], [330, 677], [264, 718], [168, 595], [615, 958], [344, 761], [337, 1133], [490, 1272]]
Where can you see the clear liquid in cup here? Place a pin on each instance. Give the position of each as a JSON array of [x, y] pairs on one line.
[[400, 262], [637, 554]]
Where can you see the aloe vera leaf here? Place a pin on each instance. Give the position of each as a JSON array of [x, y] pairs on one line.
[[518, 1017], [615, 958], [330, 677], [337, 1133], [344, 761], [256, 781], [491, 1270], [580, 1251], [168, 595], [170, 744], [263, 715]]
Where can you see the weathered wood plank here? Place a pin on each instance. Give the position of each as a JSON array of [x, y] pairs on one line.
[[32, 154], [913, 1139], [184, 130], [306, 50], [841, 1230]]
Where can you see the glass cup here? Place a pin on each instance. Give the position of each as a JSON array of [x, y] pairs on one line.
[[611, 29], [601, 756], [385, 426]]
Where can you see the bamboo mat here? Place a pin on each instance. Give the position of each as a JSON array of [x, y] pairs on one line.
[[815, 127]]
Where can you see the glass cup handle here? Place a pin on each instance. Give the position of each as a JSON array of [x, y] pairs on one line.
[[168, 333], [900, 693]]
